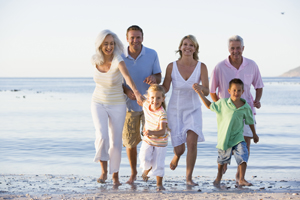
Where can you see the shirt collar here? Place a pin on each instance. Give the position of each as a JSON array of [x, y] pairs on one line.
[[128, 56], [244, 63], [229, 101]]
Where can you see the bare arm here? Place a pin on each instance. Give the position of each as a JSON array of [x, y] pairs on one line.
[[258, 95], [255, 136], [214, 97], [168, 78], [204, 79], [129, 81], [198, 89], [153, 79], [158, 133]]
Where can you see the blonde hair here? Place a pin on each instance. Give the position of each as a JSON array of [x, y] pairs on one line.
[[158, 88], [194, 41], [98, 58]]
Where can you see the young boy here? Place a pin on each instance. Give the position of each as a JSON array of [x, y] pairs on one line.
[[231, 113]]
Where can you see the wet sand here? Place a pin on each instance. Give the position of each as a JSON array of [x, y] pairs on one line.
[[47, 186]]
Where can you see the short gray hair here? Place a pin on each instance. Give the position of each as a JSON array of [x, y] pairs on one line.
[[98, 58], [236, 38]]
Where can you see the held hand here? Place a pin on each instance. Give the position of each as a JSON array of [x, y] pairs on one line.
[[129, 93], [255, 138], [140, 98], [150, 80], [197, 88], [256, 104]]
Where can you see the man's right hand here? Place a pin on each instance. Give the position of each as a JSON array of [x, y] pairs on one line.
[[129, 93]]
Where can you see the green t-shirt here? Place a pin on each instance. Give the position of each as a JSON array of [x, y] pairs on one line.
[[231, 122]]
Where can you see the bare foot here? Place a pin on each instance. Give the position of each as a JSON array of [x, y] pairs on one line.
[[244, 183], [217, 184], [160, 188], [224, 168], [116, 182], [102, 178], [115, 178], [145, 177], [191, 183], [174, 162], [145, 173], [132, 178], [116, 187], [237, 178]]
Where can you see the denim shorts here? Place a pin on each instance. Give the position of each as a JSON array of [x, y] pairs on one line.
[[239, 151]]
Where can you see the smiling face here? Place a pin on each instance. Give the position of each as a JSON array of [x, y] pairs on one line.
[[108, 45], [235, 50], [187, 48], [135, 39], [155, 99], [235, 91]]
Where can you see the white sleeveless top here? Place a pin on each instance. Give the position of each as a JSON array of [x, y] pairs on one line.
[[109, 85], [184, 108]]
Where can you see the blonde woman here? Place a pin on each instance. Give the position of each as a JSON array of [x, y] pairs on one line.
[[184, 108], [108, 103]]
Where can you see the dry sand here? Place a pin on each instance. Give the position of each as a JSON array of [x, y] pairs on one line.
[[49, 186]]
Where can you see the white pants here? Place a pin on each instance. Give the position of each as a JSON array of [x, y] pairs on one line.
[[154, 157], [108, 121]]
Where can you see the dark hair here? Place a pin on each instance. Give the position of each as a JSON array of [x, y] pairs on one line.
[[134, 28], [236, 81]]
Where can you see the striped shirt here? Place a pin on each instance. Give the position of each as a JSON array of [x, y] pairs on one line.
[[153, 119], [109, 84]]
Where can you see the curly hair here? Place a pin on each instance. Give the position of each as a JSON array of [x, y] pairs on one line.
[[98, 58]]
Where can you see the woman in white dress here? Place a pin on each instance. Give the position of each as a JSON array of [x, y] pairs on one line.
[[108, 103], [184, 109]]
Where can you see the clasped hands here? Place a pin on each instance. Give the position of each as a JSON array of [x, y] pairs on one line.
[[140, 98], [198, 88]]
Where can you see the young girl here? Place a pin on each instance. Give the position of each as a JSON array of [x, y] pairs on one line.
[[155, 140]]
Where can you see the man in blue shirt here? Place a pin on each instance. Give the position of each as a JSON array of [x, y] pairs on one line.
[[143, 66]]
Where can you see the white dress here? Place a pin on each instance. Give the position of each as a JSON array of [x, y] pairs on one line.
[[184, 108]]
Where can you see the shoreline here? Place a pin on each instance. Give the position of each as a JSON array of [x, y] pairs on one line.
[[49, 186]]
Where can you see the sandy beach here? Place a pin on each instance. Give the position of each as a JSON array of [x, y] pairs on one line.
[[47, 186], [48, 154]]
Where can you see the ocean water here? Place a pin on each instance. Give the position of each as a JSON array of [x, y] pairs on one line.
[[46, 128]]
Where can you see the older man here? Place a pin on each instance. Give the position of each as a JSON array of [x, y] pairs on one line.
[[143, 66], [237, 66]]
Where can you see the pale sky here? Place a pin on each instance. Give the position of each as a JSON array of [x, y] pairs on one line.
[[55, 38]]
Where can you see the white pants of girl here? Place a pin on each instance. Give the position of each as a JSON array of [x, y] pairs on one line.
[[108, 121], [151, 156]]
